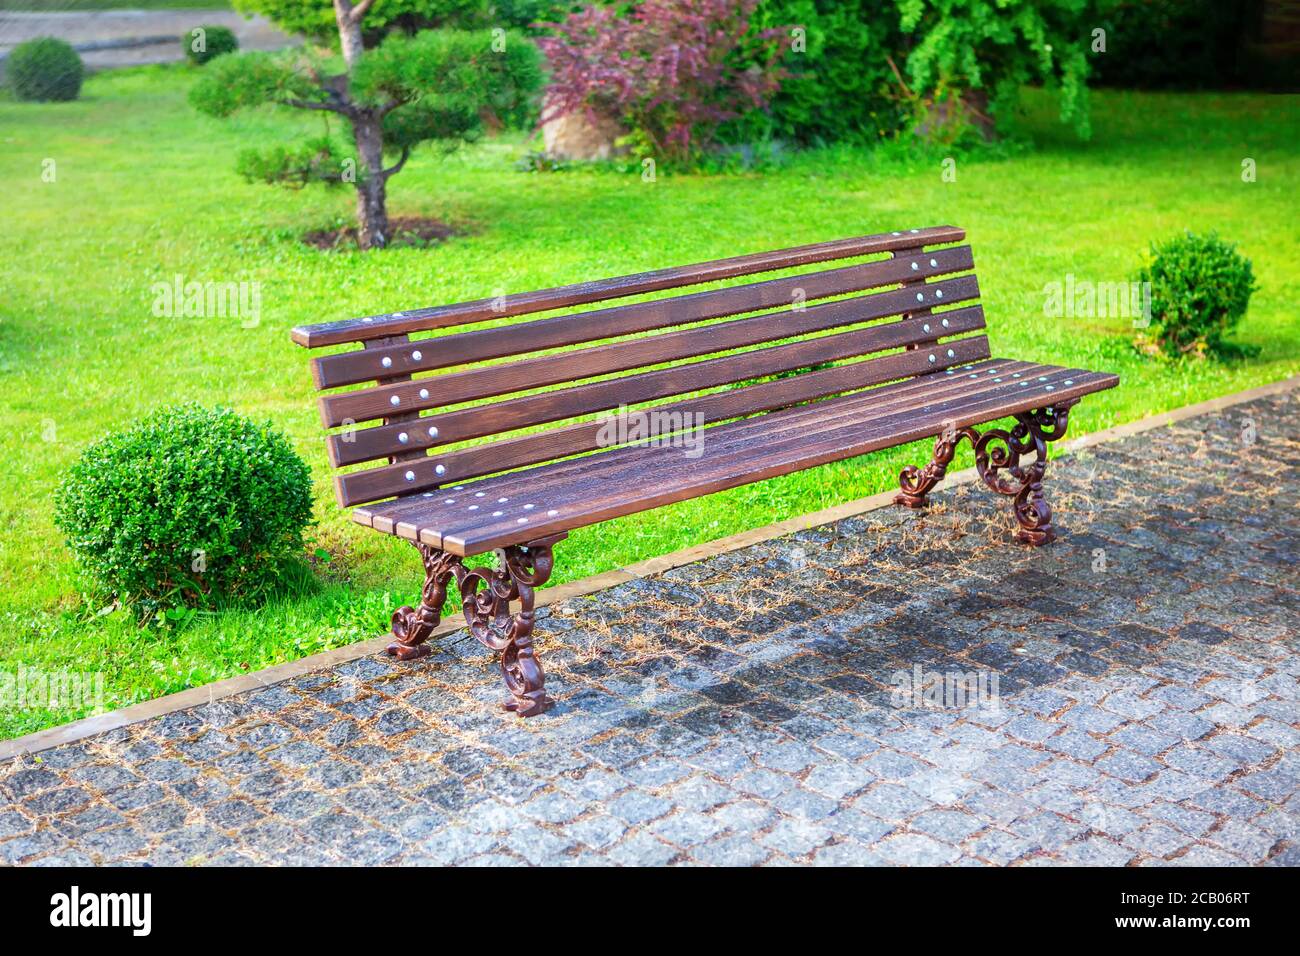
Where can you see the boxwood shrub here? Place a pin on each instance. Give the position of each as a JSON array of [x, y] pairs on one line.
[[189, 506], [1200, 287], [45, 68], [211, 43]]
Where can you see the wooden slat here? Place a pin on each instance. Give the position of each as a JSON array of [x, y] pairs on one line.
[[373, 484], [610, 478], [558, 404], [388, 481], [398, 323], [367, 444], [665, 476], [534, 484], [399, 516], [377, 402], [578, 364], [350, 368]]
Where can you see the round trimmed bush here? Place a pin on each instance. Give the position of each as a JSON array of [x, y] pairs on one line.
[[188, 506], [1200, 287], [202, 44], [44, 69]]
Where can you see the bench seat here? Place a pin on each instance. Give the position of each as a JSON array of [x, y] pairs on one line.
[[561, 496]]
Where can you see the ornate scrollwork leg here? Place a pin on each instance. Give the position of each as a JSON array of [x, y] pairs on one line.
[[412, 626], [998, 455], [917, 483], [486, 595]]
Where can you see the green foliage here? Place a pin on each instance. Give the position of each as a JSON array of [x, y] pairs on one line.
[[315, 18], [251, 79], [1200, 288], [187, 506], [44, 69], [205, 43], [317, 160], [839, 86], [870, 68], [448, 79], [995, 47]]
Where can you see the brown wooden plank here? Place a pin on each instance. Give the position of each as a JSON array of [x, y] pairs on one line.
[[403, 515], [371, 403], [537, 484], [794, 455], [561, 297], [389, 516], [606, 473], [624, 483], [358, 445], [372, 484], [350, 368], [578, 364], [716, 407], [392, 515], [721, 407]]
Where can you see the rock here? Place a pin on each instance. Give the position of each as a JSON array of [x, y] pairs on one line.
[[581, 136]]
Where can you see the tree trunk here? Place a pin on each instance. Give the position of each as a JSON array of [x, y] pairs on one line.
[[349, 33], [372, 208], [367, 133]]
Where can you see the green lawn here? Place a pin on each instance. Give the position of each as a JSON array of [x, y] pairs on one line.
[[145, 191]]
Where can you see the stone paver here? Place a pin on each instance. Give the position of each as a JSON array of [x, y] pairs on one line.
[[1134, 699]]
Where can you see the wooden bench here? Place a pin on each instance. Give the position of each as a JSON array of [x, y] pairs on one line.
[[825, 364]]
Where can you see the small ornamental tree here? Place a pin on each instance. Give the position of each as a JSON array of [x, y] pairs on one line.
[[433, 86], [672, 71]]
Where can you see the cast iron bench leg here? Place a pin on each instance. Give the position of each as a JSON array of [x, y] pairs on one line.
[[999, 467], [486, 594]]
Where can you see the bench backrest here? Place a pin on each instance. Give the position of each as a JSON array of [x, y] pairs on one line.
[[800, 337]]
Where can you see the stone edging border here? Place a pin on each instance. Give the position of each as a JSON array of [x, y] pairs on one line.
[[197, 696]]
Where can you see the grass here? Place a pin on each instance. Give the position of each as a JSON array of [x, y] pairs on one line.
[[144, 191]]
